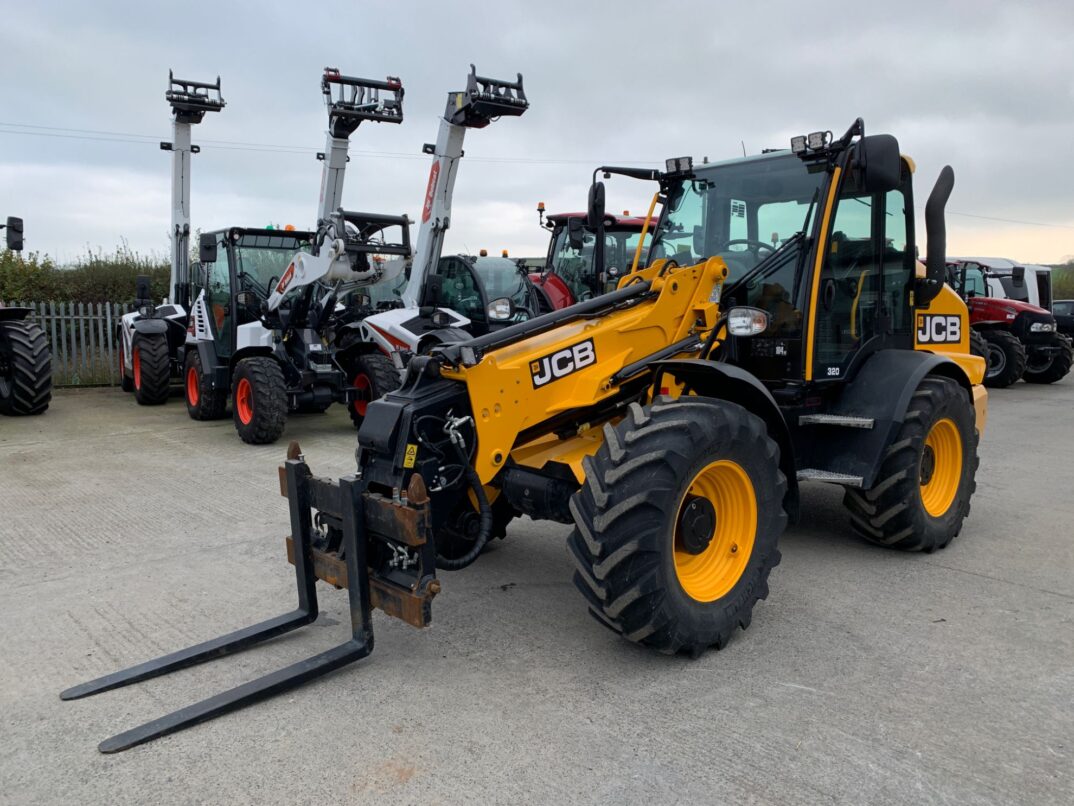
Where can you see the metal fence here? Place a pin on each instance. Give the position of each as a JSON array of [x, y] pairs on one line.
[[83, 340]]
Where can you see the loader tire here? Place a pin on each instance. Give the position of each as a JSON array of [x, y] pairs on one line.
[[374, 375], [978, 345], [1055, 368], [202, 401], [1006, 359], [258, 400], [25, 368], [928, 474], [126, 382], [152, 368], [677, 523]]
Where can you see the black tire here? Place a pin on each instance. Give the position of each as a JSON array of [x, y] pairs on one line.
[[379, 375], [1006, 359], [978, 345], [202, 401], [152, 368], [893, 513], [126, 382], [1056, 368], [457, 537], [258, 400], [627, 522], [25, 369]]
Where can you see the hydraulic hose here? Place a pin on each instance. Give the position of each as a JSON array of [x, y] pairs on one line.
[[485, 510]]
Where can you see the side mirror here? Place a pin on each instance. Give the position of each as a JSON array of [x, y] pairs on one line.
[[596, 204], [879, 163], [207, 248], [576, 233], [1018, 276], [14, 234], [141, 290], [433, 295]]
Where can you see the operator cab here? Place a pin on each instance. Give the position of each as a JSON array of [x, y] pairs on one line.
[[572, 251], [492, 292]]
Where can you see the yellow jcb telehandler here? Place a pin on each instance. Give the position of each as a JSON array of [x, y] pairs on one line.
[[782, 332]]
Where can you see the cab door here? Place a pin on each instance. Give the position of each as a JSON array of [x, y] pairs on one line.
[[218, 299], [863, 288]]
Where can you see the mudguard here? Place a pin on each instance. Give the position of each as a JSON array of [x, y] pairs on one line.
[[150, 326], [734, 384], [13, 314]]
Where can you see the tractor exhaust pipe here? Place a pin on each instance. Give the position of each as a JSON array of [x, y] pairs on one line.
[[936, 232]]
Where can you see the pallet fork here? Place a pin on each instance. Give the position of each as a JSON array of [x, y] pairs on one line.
[[346, 505]]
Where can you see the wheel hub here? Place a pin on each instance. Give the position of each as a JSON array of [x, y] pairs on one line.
[[928, 464], [697, 524]]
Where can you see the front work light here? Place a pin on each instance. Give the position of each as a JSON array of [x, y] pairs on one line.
[[745, 321], [677, 165], [798, 144], [817, 140], [499, 310]]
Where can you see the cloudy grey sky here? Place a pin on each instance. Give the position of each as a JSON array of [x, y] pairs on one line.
[[985, 86]]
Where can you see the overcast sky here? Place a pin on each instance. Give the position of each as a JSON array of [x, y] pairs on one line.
[[985, 86]]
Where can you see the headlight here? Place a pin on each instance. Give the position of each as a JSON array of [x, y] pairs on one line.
[[746, 321], [1041, 327], [500, 309]]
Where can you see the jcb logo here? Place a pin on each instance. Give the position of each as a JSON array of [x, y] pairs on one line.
[[938, 329], [562, 363]]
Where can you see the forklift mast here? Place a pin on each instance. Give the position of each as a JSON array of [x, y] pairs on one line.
[[358, 99], [483, 100], [189, 100]]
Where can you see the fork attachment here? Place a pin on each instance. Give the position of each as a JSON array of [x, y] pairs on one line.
[[334, 550]]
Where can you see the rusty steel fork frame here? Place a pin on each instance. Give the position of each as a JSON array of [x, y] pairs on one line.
[[359, 646]]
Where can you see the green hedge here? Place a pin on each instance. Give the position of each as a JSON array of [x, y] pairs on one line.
[[94, 277], [1063, 281]]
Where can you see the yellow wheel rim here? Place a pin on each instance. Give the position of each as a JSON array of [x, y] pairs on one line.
[[941, 467], [707, 572]]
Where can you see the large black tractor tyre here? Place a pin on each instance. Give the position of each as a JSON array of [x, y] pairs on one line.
[[152, 368], [928, 474], [258, 400], [1006, 359], [25, 368], [978, 346], [202, 401], [677, 523], [374, 375], [126, 382], [1054, 367]]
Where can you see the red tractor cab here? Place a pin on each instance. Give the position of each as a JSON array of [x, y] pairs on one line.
[[569, 274]]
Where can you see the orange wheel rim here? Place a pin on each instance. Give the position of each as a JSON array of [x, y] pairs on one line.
[[136, 366], [709, 562], [364, 395], [244, 401], [941, 467], [192, 391]]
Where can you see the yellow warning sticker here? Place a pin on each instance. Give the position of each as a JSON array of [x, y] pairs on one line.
[[411, 455]]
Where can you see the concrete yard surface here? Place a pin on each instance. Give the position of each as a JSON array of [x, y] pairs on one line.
[[868, 676]]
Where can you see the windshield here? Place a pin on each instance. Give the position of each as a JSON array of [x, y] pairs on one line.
[[264, 258], [386, 291], [575, 266], [742, 210], [501, 278]]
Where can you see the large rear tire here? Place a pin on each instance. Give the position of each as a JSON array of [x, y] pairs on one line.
[[126, 382], [1054, 369], [152, 368], [922, 493], [25, 368], [373, 375], [978, 345], [258, 400], [202, 401], [677, 523], [1006, 359]]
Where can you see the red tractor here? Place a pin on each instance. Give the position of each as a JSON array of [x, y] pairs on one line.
[[1018, 339], [568, 275]]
